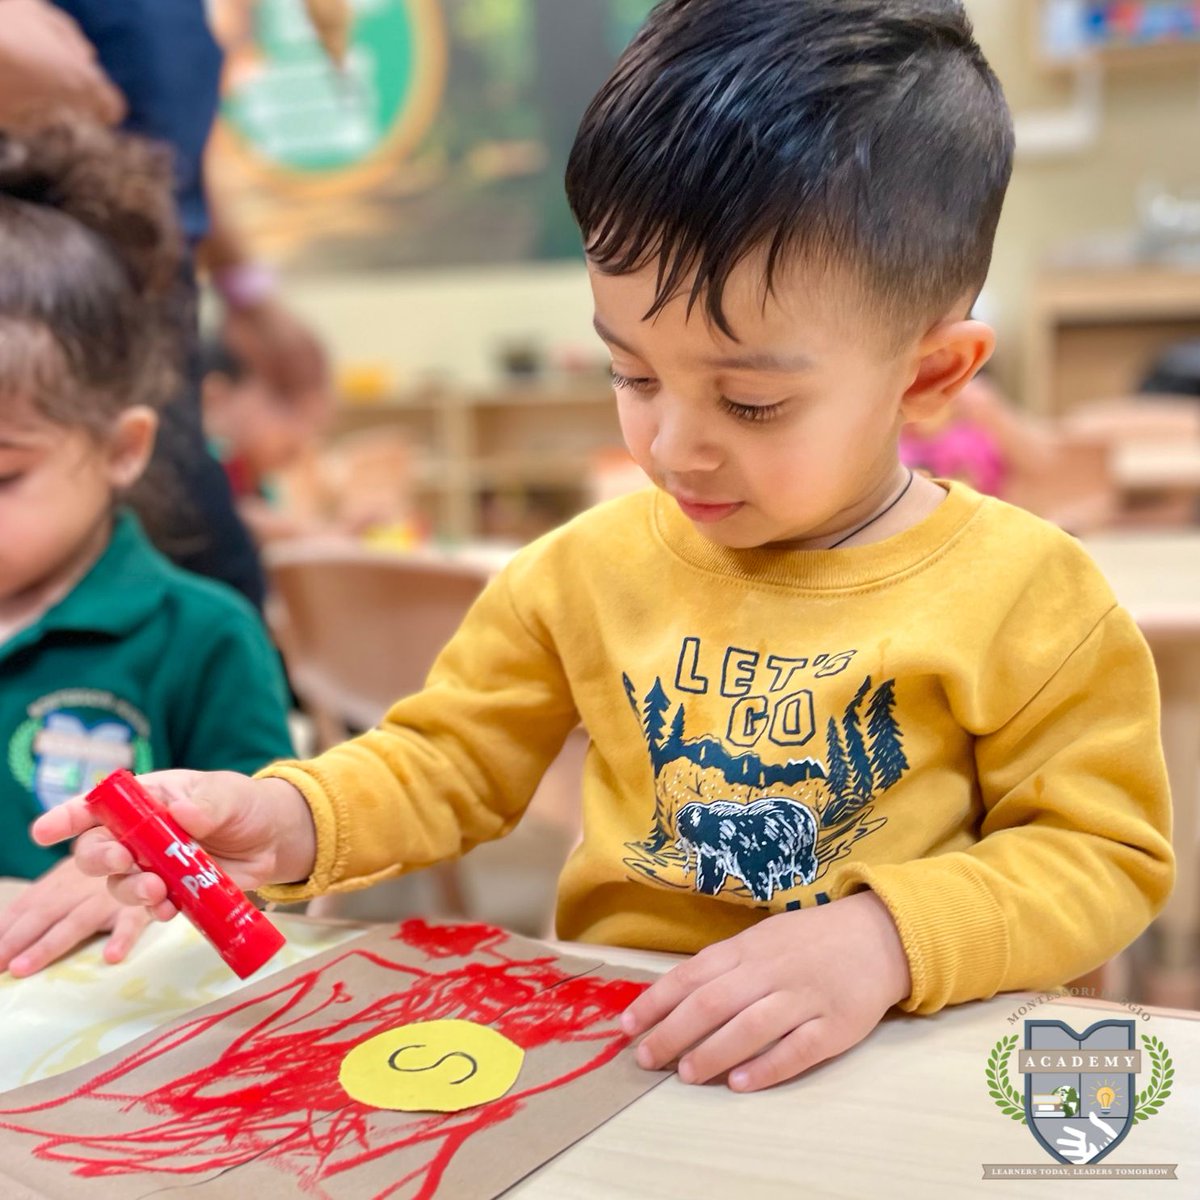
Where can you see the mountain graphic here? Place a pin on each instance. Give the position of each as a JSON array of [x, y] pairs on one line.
[[860, 765], [743, 768]]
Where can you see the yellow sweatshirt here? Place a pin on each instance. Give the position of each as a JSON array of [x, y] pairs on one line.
[[959, 718]]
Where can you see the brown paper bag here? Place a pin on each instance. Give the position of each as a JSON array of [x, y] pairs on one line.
[[241, 1098]]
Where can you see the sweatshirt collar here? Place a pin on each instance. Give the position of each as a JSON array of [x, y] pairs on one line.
[[846, 568]]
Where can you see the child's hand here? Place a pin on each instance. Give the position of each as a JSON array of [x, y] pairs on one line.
[[779, 998], [258, 830], [58, 912]]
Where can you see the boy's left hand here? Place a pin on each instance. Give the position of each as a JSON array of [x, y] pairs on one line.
[[777, 999], [59, 911]]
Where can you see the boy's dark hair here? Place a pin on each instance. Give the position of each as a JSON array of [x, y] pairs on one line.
[[868, 135], [90, 261]]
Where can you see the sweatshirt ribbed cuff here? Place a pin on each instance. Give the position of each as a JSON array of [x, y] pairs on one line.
[[326, 821], [952, 928]]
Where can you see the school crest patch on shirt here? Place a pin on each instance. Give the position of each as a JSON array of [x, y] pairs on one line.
[[72, 739]]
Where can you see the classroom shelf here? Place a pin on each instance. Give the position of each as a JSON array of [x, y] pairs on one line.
[[535, 439], [1093, 334]]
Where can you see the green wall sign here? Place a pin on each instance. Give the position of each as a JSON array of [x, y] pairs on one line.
[[295, 111]]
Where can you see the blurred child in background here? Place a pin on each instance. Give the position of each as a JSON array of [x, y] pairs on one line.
[[286, 482], [256, 433], [978, 439]]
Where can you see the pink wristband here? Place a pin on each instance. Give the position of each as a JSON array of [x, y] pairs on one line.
[[245, 284]]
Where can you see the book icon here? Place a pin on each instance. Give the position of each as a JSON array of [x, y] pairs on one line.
[[1062, 1102]]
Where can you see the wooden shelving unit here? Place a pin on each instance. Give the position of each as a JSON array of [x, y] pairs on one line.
[[484, 458], [1093, 334]]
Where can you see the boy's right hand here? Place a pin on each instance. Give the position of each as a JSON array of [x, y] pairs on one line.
[[259, 831]]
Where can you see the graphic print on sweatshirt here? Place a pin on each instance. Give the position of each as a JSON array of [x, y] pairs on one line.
[[751, 811]]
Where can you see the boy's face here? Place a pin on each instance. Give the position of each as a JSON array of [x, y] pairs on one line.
[[778, 437]]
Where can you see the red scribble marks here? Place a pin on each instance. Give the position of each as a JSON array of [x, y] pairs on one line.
[[449, 941], [272, 1091]]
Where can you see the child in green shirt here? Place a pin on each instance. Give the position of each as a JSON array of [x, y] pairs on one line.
[[110, 656]]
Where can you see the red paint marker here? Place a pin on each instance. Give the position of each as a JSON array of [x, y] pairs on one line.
[[241, 935]]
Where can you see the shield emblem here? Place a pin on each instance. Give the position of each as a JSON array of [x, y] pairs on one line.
[[73, 757], [1079, 1096]]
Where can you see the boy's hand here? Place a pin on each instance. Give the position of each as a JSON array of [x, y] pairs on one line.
[[779, 998], [258, 830], [58, 912]]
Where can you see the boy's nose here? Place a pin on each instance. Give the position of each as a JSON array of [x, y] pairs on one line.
[[682, 446]]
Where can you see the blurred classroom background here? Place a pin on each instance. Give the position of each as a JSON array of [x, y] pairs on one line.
[[402, 174]]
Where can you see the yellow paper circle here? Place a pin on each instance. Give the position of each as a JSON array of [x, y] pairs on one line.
[[432, 1066]]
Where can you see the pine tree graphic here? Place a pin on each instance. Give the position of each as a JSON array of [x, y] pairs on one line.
[[674, 743], [631, 695], [888, 762], [655, 711], [660, 835], [837, 771], [860, 771], [856, 751]]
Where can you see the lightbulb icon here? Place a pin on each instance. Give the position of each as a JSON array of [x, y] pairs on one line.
[[1105, 1097]]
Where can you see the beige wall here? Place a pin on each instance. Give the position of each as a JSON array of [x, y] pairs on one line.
[[448, 323], [452, 322]]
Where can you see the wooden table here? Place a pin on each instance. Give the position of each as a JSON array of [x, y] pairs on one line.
[[906, 1113], [1157, 577]]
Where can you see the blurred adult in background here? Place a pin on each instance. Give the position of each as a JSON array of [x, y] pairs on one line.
[[154, 67]]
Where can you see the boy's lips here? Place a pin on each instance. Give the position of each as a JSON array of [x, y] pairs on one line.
[[706, 512]]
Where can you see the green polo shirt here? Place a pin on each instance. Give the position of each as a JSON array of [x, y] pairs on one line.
[[141, 666]]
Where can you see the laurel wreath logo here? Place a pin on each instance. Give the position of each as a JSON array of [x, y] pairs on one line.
[[1012, 1104]]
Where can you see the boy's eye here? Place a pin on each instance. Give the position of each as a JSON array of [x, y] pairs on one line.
[[634, 385], [744, 412], [9, 480], [750, 412]]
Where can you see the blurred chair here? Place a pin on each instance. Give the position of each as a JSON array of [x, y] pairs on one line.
[[360, 629], [1071, 484]]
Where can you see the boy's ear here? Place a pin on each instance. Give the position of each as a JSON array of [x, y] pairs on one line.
[[948, 358], [130, 445]]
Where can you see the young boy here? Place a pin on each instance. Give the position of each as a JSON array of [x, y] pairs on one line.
[[858, 739]]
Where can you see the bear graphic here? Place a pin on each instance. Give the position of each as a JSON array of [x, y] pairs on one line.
[[769, 845]]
